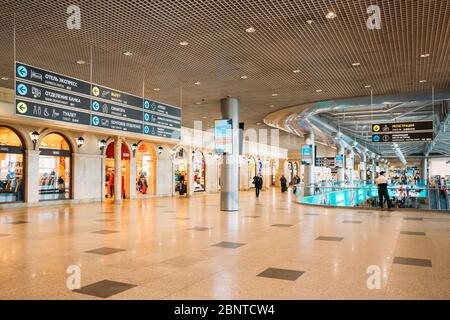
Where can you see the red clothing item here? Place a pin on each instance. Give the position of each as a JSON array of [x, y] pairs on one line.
[[111, 179], [123, 185]]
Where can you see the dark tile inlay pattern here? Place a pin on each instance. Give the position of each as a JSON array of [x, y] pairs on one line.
[[105, 231], [102, 212], [229, 245], [413, 261], [182, 218], [200, 228], [413, 233], [105, 288], [4, 235], [351, 221], [413, 219], [18, 222], [283, 225], [325, 238], [312, 214], [282, 274], [252, 216], [105, 251]]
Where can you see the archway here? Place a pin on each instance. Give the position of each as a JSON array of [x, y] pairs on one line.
[[12, 155], [110, 169], [145, 169], [55, 168], [181, 170]]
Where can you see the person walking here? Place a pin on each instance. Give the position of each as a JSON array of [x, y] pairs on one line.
[[258, 182], [382, 183], [283, 182]]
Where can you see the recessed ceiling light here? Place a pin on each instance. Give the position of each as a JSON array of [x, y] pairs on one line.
[[156, 89], [424, 55], [319, 90], [5, 78], [274, 94], [258, 123], [184, 43], [309, 21], [198, 102], [81, 62], [204, 117], [368, 86], [250, 30], [356, 64], [422, 81], [244, 77], [296, 71], [197, 83], [128, 53], [331, 15], [272, 106]]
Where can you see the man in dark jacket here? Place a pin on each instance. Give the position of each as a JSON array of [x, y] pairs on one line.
[[258, 182], [283, 182]]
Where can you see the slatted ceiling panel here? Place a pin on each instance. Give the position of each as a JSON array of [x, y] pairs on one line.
[[220, 51]]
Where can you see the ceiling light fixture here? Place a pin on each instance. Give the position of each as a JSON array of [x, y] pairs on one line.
[[197, 83], [272, 106], [331, 15], [296, 71], [274, 94], [319, 90], [424, 55], [422, 81], [368, 86], [81, 62], [250, 30], [244, 77], [5, 78], [156, 89], [356, 64], [198, 102], [128, 53], [309, 22], [184, 43]]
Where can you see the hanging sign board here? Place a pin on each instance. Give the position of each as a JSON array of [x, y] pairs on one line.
[[223, 136]]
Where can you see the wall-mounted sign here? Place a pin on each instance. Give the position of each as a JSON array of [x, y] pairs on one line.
[[161, 120], [223, 136], [116, 124], [307, 154], [402, 127], [403, 137], [162, 132], [339, 163], [116, 96], [163, 109], [115, 110], [37, 110], [36, 92], [54, 152], [55, 80], [11, 149]]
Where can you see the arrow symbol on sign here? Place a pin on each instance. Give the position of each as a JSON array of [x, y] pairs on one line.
[[22, 107], [22, 71]]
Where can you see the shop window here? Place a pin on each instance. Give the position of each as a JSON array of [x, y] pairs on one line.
[[55, 169], [145, 169], [110, 173], [11, 170], [198, 166], [181, 175]]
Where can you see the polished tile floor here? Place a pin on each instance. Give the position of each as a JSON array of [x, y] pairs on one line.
[[179, 248]]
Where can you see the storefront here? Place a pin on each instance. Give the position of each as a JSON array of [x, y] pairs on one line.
[[180, 170], [273, 172], [198, 167], [110, 170], [251, 171], [12, 166], [55, 168], [145, 169]]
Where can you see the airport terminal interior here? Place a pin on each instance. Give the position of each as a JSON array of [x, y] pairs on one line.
[[225, 150]]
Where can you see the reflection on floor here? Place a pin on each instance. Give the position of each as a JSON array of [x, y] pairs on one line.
[[177, 248]]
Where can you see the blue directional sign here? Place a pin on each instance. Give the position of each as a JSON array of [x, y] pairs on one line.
[[95, 106], [22, 89], [376, 138], [146, 117], [146, 104], [95, 121], [146, 129], [22, 71]]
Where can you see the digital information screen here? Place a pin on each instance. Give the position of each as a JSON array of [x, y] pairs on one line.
[[223, 136]]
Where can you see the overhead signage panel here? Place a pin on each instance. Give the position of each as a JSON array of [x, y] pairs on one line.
[[55, 80], [223, 136], [40, 93], [162, 109], [116, 96], [42, 111], [161, 120], [162, 132], [402, 127], [328, 162], [403, 137], [115, 110], [116, 124]]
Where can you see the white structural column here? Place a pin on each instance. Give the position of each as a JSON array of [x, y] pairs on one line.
[[229, 191], [341, 171], [425, 170], [103, 176], [130, 188], [190, 172], [372, 173], [117, 170], [165, 180], [32, 178], [309, 168], [363, 167], [351, 164]]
